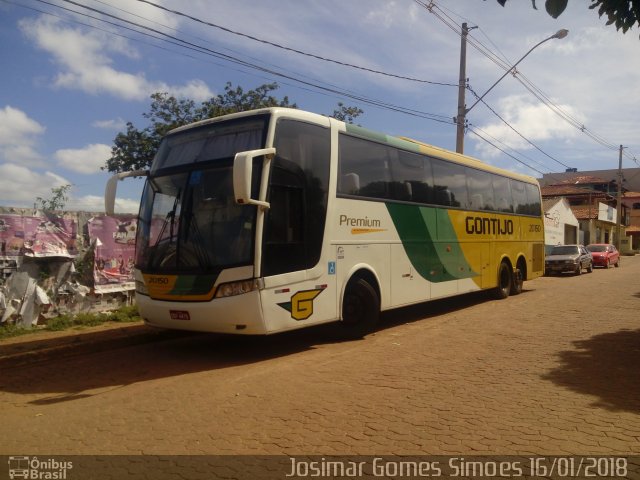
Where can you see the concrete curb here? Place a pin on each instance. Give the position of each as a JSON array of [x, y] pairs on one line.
[[27, 350]]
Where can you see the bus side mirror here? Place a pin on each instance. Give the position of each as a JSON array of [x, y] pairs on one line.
[[242, 176], [112, 186]]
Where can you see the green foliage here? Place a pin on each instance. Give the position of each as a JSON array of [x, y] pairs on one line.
[[10, 330], [126, 314], [57, 201], [62, 322], [237, 100], [135, 148], [346, 114], [624, 14], [555, 7]]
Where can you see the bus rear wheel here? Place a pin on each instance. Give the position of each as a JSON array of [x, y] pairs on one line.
[[360, 309], [517, 282], [503, 290]]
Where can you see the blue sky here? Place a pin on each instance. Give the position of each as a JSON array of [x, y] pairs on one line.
[[69, 83]]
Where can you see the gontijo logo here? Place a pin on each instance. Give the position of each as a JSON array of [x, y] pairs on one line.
[[37, 469], [488, 226], [301, 304]]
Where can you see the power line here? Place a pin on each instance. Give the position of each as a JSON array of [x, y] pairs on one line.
[[472, 130], [534, 90], [207, 51], [509, 147], [451, 24], [294, 50], [517, 132]]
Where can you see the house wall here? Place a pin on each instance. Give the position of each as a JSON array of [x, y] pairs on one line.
[[560, 225]]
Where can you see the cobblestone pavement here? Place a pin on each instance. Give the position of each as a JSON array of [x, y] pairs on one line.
[[554, 370]]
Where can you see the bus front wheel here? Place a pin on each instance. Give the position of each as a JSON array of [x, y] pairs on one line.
[[504, 281], [360, 308]]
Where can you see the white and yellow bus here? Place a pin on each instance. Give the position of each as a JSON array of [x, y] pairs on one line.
[[277, 219]]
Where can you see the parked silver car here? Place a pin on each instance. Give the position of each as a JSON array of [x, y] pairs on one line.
[[568, 258]]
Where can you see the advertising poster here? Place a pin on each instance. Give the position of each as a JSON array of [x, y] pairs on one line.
[[114, 239], [11, 235], [50, 236], [38, 236]]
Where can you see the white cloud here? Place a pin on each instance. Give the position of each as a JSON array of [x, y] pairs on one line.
[[534, 121], [85, 160], [94, 203], [20, 186], [195, 89], [18, 135], [113, 124], [85, 62]]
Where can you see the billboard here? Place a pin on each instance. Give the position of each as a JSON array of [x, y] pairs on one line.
[[114, 239], [43, 235]]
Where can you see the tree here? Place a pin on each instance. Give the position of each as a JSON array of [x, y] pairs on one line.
[[346, 114], [57, 201], [134, 149], [624, 14]]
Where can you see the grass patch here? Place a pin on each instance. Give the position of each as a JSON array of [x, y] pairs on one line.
[[126, 314]]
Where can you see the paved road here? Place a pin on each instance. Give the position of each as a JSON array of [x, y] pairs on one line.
[[552, 371]]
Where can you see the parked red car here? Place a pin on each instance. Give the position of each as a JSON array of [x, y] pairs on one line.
[[604, 255]]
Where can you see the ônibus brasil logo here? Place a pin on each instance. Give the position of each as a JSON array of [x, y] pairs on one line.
[[38, 469]]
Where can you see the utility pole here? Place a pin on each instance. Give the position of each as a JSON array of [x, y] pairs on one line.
[[460, 119], [619, 201], [462, 85]]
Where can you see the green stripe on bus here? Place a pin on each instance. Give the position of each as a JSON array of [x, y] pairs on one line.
[[382, 138], [434, 261]]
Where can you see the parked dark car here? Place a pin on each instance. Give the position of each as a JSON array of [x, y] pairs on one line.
[[604, 255], [568, 258]]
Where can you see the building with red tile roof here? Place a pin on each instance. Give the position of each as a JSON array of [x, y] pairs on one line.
[[593, 200]]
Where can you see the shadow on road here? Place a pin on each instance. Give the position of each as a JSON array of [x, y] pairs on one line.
[[434, 308], [605, 366], [68, 378], [168, 354]]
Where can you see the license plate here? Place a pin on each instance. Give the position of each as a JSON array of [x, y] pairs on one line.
[[179, 315]]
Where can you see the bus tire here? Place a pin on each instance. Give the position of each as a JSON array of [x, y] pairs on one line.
[[503, 290], [517, 282], [360, 309]]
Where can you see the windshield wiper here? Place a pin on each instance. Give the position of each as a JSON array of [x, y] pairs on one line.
[[168, 220]]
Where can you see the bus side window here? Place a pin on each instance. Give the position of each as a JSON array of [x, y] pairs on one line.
[[502, 190], [519, 197], [480, 190], [450, 183], [533, 200], [412, 178], [350, 184], [367, 160]]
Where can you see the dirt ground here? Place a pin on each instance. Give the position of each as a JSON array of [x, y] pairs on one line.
[[552, 371]]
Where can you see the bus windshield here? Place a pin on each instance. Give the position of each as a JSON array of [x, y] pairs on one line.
[[189, 221]]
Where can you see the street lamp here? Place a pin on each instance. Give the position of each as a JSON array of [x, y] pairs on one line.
[[462, 111]]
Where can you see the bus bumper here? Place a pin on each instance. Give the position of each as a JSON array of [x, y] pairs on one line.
[[240, 314]]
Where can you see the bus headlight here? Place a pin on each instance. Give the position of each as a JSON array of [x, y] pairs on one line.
[[141, 287], [236, 288]]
